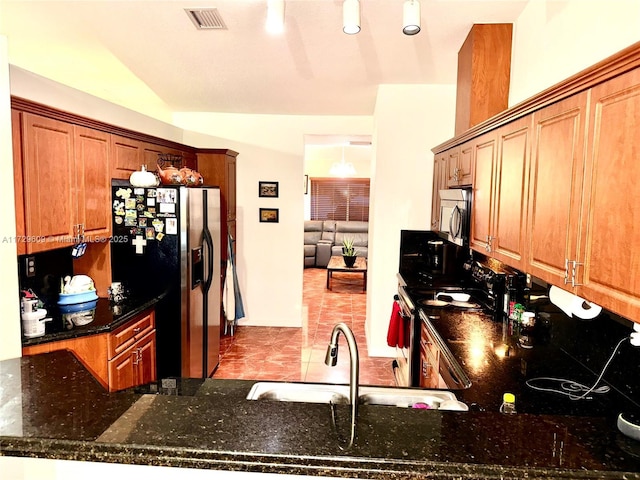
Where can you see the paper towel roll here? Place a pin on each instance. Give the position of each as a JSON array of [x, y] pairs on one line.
[[585, 309], [562, 299], [573, 305]]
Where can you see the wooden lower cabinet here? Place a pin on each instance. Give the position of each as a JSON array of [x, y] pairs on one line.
[[429, 360], [123, 358], [135, 366]]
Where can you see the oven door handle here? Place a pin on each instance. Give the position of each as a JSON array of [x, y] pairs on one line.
[[457, 213]]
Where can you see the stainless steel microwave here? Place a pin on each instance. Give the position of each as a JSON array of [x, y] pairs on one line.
[[455, 215]]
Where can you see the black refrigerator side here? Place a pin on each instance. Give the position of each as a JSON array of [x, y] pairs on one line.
[[148, 255]]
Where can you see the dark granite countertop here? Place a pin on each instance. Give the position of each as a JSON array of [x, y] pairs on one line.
[[55, 409], [106, 317]]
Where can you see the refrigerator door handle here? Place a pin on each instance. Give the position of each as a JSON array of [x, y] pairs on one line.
[[208, 241]]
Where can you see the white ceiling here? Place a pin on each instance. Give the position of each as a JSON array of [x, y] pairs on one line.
[[148, 54]]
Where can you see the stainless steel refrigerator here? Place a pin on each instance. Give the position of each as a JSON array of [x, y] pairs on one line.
[[166, 244]]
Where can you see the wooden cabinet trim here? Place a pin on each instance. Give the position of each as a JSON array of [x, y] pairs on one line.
[[610, 67], [29, 106]]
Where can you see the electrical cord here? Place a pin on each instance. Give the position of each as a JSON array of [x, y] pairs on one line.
[[571, 388]]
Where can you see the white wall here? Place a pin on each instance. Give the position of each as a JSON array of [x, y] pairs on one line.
[[9, 301], [409, 121], [271, 148], [556, 39]]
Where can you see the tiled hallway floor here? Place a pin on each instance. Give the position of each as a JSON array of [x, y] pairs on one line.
[[297, 354]]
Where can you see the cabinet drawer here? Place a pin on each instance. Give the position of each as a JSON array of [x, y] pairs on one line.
[[127, 335]]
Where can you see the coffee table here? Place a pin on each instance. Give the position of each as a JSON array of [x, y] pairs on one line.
[[336, 264]]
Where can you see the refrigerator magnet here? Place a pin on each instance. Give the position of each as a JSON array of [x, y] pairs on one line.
[[151, 202], [160, 236], [130, 203], [150, 233], [118, 220], [123, 193], [167, 208], [138, 191], [142, 222], [148, 214], [151, 193], [172, 226], [158, 225]]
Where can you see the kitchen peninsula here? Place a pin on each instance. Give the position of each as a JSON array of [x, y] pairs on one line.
[[54, 409]]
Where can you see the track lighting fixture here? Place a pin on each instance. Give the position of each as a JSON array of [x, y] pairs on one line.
[[351, 17], [411, 17], [275, 16]]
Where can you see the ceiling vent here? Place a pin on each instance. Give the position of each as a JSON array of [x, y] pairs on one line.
[[206, 18]]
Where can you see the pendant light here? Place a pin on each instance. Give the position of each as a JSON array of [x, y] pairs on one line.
[[275, 16], [342, 168], [351, 17], [411, 17]]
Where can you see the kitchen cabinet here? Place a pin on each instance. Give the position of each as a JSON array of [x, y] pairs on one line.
[[429, 360], [439, 182], [507, 240], [484, 155], [606, 267], [122, 358], [65, 183], [128, 156], [218, 168], [460, 166], [556, 178], [499, 192]]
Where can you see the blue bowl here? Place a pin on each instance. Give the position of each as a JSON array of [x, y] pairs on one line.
[[78, 307], [74, 298]]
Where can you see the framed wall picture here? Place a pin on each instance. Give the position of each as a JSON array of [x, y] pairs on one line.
[[269, 215], [268, 189]]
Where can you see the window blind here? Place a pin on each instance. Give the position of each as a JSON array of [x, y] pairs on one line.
[[340, 199]]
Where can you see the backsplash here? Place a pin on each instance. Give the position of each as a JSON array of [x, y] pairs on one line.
[[50, 268]]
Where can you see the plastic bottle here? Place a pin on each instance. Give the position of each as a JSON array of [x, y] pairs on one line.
[[508, 403]]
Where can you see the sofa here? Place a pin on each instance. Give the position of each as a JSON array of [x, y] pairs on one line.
[[323, 238]]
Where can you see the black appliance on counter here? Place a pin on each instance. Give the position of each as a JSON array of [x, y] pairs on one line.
[[467, 284]]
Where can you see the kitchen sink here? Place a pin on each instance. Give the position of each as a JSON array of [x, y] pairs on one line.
[[331, 393]]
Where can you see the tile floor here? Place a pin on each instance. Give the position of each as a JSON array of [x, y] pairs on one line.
[[297, 354]]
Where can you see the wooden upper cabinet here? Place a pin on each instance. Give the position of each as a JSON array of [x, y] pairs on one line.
[[218, 168], [440, 174], [610, 223], [557, 167], [510, 197], [48, 169], [93, 182], [460, 166], [127, 156], [484, 69], [485, 152]]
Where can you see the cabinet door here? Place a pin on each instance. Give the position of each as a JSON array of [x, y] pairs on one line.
[[439, 182], [48, 169], [93, 182], [18, 181], [610, 235], [465, 165], [123, 370], [453, 165], [557, 166], [483, 186], [127, 156], [428, 370], [146, 371], [511, 183]]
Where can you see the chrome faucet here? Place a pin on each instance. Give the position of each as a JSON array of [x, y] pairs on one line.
[[332, 358]]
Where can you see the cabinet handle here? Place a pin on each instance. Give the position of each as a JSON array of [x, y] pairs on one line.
[[136, 330], [574, 269], [488, 247], [425, 370]]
